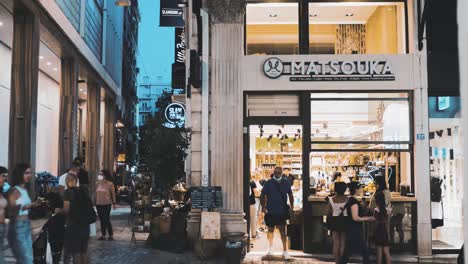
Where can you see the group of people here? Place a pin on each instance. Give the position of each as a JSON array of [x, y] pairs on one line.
[[72, 213], [347, 215], [269, 205]]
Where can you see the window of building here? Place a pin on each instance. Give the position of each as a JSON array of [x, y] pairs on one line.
[[334, 28], [357, 28], [272, 28]]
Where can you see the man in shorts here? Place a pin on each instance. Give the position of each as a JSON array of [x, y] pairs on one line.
[[274, 197]]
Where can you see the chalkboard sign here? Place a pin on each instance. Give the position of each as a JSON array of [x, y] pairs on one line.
[[206, 197]]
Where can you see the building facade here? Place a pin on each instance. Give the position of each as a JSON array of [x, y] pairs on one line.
[[315, 87], [60, 83], [148, 95]]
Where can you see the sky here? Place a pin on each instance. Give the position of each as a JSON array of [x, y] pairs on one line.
[[155, 45]]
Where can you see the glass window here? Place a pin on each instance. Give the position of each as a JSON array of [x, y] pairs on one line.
[[357, 28], [272, 28], [361, 117]]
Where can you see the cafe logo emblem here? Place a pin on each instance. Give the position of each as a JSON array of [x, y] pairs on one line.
[[273, 68], [175, 115]]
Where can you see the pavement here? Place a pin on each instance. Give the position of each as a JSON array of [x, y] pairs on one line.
[[123, 251]]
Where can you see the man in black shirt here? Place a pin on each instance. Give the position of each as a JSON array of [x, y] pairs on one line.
[[83, 178]]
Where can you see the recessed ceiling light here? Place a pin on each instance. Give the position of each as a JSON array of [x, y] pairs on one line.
[[55, 69], [313, 15], [41, 57], [273, 15], [49, 63], [81, 89], [1, 23], [349, 14]]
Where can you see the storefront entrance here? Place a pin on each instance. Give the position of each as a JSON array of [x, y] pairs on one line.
[[362, 135]]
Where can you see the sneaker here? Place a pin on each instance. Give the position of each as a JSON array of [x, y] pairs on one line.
[[286, 255], [101, 238], [111, 238]]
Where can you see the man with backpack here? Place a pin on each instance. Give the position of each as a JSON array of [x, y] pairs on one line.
[[274, 203]]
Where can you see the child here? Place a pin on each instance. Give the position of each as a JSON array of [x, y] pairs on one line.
[[382, 241]]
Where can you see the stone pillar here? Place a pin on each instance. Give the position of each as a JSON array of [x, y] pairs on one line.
[[227, 50], [68, 112], [24, 88], [109, 132], [93, 119]]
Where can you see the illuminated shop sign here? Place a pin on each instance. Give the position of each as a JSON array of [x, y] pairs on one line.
[[175, 115], [331, 70]]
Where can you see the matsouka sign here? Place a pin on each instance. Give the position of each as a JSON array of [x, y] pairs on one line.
[[331, 70]]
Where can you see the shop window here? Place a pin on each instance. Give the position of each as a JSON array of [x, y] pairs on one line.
[[357, 28], [272, 28], [272, 105], [380, 120]]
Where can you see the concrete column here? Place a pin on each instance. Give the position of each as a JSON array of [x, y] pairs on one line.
[[109, 133], [92, 132], [227, 121], [68, 113], [462, 49], [24, 88]]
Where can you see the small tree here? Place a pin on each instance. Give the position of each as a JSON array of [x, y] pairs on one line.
[[163, 150]]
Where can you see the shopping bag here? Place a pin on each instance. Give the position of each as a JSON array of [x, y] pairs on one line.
[[92, 229], [49, 254]]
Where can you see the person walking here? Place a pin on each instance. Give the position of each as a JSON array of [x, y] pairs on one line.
[[381, 237], [354, 231], [105, 200], [273, 198], [253, 208], [83, 177], [3, 206], [337, 212], [80, 214], [74, 169], [19, 204]]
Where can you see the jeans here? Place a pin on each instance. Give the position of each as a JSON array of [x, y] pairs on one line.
[[104, 217], [20, 240]]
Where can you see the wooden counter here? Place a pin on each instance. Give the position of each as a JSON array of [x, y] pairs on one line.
[[395, 199]]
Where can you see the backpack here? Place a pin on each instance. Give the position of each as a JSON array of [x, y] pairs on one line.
[[81, 208]]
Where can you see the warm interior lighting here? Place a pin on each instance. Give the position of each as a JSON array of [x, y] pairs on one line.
[[123, 3]]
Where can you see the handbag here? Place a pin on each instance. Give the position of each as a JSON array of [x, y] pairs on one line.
[[288, 208]]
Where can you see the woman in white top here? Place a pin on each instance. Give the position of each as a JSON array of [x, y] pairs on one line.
[[19, 204], [337, 209]]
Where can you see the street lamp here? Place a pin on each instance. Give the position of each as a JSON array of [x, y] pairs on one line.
[[123, 3]]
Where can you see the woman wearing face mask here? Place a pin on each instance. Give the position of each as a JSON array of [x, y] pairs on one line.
[[105, 199], [19, 232]]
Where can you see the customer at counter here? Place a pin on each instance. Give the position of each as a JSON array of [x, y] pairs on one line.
[[337, 212], [354, 231], [381, 186]]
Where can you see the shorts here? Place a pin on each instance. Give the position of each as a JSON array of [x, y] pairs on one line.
[[275, 220], [76, 239]]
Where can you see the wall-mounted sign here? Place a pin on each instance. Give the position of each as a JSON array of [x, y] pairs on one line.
[[329, 70], [171, 14], [421, 136], [179, 45], [175, 115], [178, 67], [206, 197]]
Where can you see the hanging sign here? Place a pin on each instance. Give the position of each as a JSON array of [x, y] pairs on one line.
[[171, 14], [175, 115], [178, 67], [331, 70]]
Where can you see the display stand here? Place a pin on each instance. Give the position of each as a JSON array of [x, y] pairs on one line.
[[140, 214]]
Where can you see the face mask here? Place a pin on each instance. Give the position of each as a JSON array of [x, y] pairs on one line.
[[277, 177], [100, 177]]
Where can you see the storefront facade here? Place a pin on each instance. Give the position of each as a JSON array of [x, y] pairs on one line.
[[317, 87], [59, 96]]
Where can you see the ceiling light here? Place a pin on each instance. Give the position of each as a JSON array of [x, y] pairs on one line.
[[123, 3], [1, 23], [273, 15], [313, 15], [81, 89], [49, 63], [41, 57], [349, 14], [55, 69]]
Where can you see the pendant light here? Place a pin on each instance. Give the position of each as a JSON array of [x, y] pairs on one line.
[[123, 3]]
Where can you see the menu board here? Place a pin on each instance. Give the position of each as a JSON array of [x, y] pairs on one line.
[[206, 197]]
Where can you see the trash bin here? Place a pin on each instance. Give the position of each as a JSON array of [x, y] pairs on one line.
[[233, 252]]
